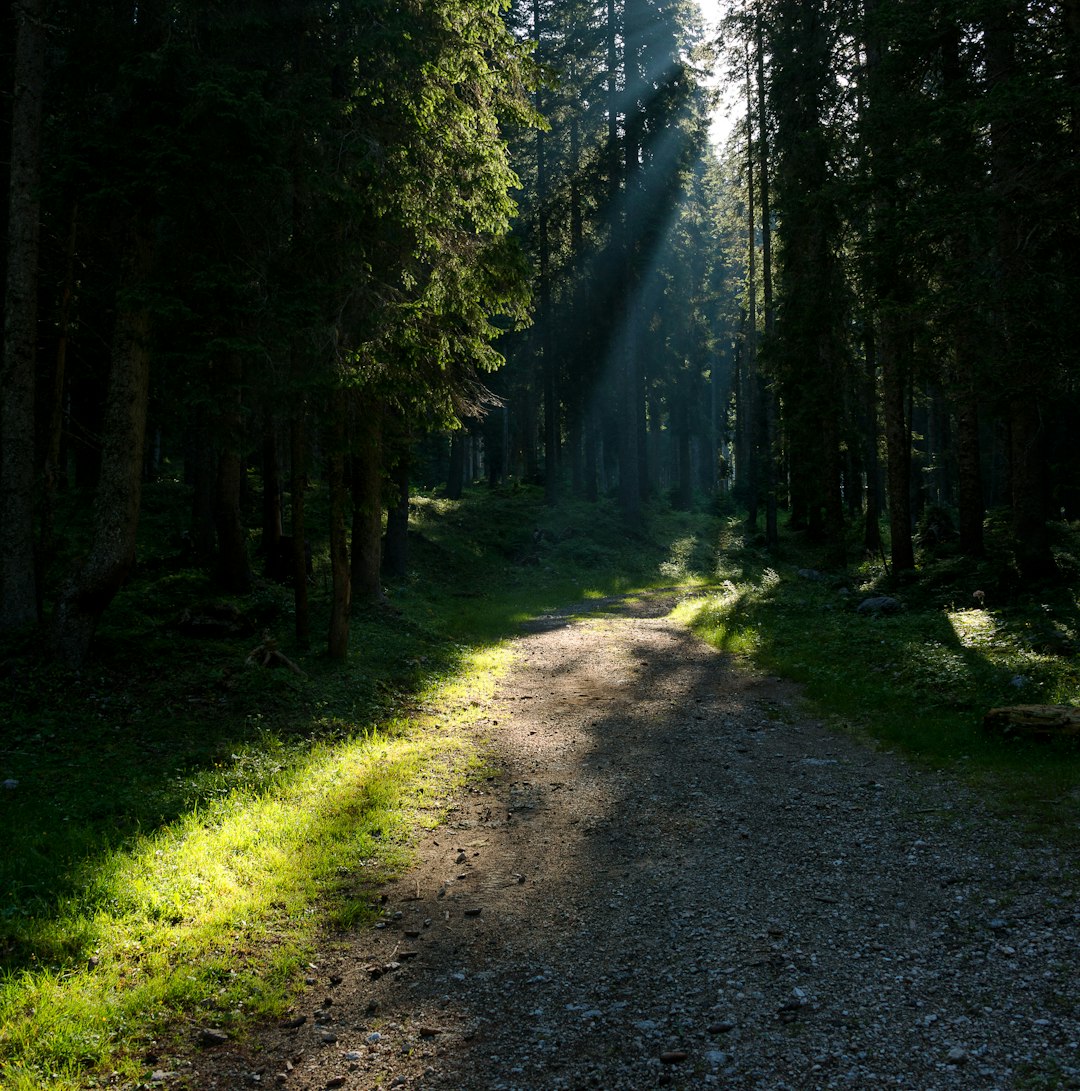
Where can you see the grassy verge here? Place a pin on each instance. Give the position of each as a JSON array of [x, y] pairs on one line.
[[184, 829], [921, 679]]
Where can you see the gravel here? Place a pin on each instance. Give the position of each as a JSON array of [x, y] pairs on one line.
[[677, 878]]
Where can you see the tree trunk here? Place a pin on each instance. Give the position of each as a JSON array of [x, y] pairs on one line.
[[116, 503], [18, 578], [297, 491], [1022, 365], [271, 492], [337, 644], [396, 552], [898, 448], [367, 479], [766, 391], [455, 479], [750, 374], [232, 572]]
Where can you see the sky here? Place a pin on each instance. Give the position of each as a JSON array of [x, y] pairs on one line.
[[711, 11]]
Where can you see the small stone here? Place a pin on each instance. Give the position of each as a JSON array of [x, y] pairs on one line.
[[281, 1077], [720, 1028], [160, 1076], [353, 1055], [374, 1038], [461, 858], [673, 1056], [429, 1032], [309, 980], [328, 1037], [998, 924], [475, 911], [10, 784], [292, 1024], [957, 1055], [336, 979], [335, 1081], [210, 1036]]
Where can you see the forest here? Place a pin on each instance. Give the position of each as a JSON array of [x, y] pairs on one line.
[[372, 245], [356, 330]]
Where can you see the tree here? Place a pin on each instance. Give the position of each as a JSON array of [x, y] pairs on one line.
[[18, 579]]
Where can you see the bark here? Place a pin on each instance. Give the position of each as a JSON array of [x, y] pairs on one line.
[[116, 503], [767, 393], [18, 579], [297, 494], [898, 447], [367, 508], [233, 571], [751, 378], [199, 467], [271, 494], [337, 644], [547, 355], [1023, 367], [872, 543], [396, 551], [455, 479]]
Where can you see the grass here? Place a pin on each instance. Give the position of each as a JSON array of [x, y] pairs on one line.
[[919, 680], [185, 830]]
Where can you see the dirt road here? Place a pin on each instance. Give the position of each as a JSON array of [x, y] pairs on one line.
[[678, 878]]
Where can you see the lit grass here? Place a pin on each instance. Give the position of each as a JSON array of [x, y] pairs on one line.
[[213, 914], [920, 680]]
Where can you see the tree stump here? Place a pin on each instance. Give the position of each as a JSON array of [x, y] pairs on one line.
[[1034, 721]]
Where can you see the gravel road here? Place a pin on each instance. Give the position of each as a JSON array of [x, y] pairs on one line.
[[676, 878]]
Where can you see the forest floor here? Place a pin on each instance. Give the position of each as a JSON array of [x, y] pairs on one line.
[[668, 874]]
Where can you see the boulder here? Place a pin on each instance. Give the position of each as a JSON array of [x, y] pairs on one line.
[[879, 604]]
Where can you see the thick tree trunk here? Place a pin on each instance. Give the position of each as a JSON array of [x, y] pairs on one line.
[[18, 580], [367, 477], [116, 503]]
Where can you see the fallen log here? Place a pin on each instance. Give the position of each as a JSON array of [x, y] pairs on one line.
[[1034, 721]]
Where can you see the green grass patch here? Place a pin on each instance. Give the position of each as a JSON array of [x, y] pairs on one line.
[[919, 680]]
